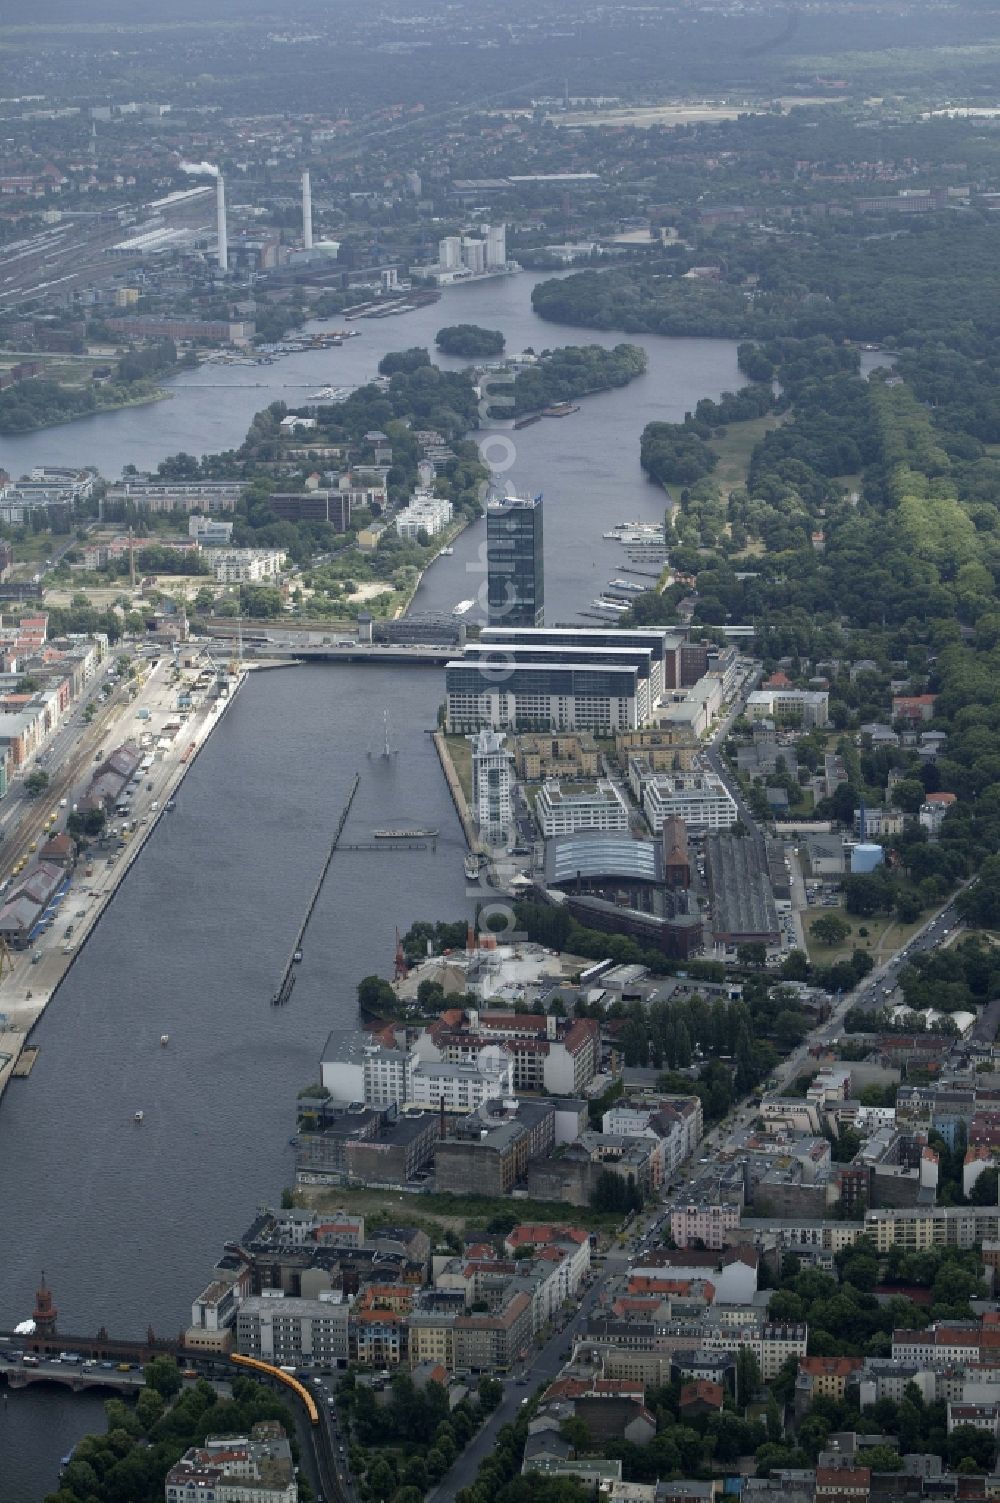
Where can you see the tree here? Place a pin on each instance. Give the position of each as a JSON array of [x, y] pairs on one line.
[[36, 782], [149, 1407], [883, 1459], [748, 1376], [490, 1393], [831, 929], [984, 1191], [163, 1376], [573, 1430], [405, 361], [908, 794], [86, 825], [375, 994], [753, 954], [469, 341]]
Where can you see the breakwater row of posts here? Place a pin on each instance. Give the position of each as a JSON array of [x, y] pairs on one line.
[[287, 981]]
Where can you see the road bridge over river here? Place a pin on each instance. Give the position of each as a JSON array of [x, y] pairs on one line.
[[76, 1376]]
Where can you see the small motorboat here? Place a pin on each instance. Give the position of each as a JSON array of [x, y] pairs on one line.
[[164, 1040], [138, 1118]]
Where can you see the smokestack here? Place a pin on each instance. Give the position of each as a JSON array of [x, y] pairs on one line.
[[307, 213], [220, 209]]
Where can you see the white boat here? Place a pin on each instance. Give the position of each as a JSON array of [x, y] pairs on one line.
[[164, 1040], [628, 584], [463, 607], [616, 607], [330, 394], [635, 532], [138, 1117]]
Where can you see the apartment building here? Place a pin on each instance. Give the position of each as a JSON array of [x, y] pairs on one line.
[[492, 787], [246, 565], [805, 707], [377, 1337], [700, 799], [491, 1343], [917, 1228], [557, 757], [145, 495], [236, 1469], [828, 1377], [701, 1224]]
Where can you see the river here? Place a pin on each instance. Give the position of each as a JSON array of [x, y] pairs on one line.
[[127, 1221]]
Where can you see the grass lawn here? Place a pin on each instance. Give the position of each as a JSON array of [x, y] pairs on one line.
[[36, 547], [735, 446], [885, 935], [460, 752], [437, 1213]]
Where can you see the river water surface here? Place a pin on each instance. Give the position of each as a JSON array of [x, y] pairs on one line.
[[128, 1221]]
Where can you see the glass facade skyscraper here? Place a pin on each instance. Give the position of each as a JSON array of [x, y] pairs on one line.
[[515, 572]]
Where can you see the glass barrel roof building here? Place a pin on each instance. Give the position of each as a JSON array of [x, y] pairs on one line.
[[591, 855]]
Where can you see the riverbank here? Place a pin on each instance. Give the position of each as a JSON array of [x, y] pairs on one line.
[[76, 417], [456, 790], [453, 531], [33, 977]]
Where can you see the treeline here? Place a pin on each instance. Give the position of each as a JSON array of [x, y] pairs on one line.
[[880, 526], [152, 360], [573, 371], [41, 404], [933, 282], [143, 1442]]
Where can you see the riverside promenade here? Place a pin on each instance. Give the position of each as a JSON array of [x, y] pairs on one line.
[[32, 977]]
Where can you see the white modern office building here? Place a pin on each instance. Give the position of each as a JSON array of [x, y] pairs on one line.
[[566, 810]]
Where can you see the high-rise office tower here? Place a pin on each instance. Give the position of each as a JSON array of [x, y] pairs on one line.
[[515, 572], [496, 246], [222, 254], [307, 212]]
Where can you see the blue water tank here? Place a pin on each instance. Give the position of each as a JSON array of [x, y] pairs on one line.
[[866, 857]]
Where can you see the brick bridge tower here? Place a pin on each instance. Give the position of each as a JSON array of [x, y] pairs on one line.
[[45, 1312]]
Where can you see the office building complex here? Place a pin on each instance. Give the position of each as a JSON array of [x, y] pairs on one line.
[[563, 696], [515, 574]]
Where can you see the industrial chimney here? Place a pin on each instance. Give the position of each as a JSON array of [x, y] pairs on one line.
[[307, 213], [220, 209]]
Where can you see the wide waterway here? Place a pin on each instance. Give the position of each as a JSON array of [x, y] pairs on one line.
[[127, 1220]]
